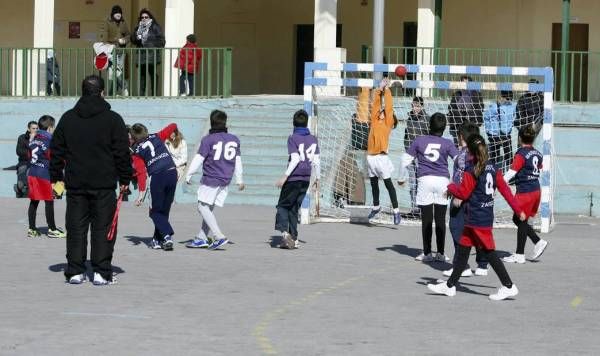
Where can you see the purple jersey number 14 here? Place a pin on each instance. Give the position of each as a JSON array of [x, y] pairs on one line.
[[309, 153]]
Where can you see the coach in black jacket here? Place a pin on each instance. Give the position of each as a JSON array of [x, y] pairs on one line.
[[91, 144]]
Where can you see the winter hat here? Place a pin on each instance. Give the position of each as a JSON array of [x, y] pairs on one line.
[[116, 10]]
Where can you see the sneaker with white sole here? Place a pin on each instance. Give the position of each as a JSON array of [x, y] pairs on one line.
[[56, 233], [538, 249], [218, 243], [374, 212], [100, 281], [155, 244], [514, 258], [167, 243], [440, 257], [77, 279], [287, 242], [466, 273], [33, 233], [425, 258], [504, 293], [197, 243], [481, 271], [296, 243], [442, 288]]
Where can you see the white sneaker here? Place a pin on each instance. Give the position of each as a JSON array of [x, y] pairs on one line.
[[440, 257], [296, 243], [77, 279], [538, 249], [514, 258], [100, 281], [425, 258], [466, 273], [504, 293], [481, 271], [442, 288]]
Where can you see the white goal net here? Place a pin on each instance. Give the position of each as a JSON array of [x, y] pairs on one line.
[[500, 104]]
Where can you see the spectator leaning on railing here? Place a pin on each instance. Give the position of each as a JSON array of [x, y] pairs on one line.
[[116, 32], [148, 36]]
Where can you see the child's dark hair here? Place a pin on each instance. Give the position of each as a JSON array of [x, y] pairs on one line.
[[467, 129], [418, 100], [31, 123], [507, 94], [437, 124], [138, 132], [218, 120], [45, 122], [527, 134], [191, 38], [300, 118], [478, 148]]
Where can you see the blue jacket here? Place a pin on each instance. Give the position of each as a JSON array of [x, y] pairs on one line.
[[499, 120]]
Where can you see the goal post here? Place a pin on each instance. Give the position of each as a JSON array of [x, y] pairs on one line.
[[335, 101]]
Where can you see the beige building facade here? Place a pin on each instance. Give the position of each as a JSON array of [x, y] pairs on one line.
[[267, 36]]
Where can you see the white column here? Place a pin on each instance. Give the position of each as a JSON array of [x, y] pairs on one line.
[[179, 22], [425, 38], [325, 41], [43, 38]]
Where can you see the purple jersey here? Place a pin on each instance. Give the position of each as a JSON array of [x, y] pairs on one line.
[[527, 178], [155, 154], [39, 150], [306, 146], [480, 205], [219, 151], [432, 153]]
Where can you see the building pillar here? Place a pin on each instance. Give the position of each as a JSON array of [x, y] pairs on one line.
[[426, 39], [179, 22], [32, 63], [566, 17], [325, 34]]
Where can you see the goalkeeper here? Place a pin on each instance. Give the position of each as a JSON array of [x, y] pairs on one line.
[[379, 163], [38, 178]]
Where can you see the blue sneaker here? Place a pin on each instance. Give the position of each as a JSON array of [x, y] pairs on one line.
[[397, 218], [218, 243], [155, 244], [374, 212], [197, 243], [167, 243]]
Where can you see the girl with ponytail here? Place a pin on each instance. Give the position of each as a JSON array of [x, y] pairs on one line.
[[480, 180]]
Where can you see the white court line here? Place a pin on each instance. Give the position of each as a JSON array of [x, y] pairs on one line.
[[122, 316]]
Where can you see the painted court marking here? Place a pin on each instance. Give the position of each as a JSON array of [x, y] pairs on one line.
[[576, 301], [121, 316]]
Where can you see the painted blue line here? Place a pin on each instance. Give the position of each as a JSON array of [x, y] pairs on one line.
[[548, 116]]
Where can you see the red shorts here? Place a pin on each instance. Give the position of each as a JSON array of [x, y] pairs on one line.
[[529, 202], [39, 188], [478, 237]]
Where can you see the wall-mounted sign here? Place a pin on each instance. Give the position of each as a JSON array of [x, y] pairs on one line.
[[74, 29]]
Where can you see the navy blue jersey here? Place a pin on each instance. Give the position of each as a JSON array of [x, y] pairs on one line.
[[39, 151], [480, 205], [530, 161], [154, 153]]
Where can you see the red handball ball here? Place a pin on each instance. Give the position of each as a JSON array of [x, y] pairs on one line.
[[400, 71]]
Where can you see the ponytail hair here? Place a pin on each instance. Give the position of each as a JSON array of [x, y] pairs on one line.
[[478, 148]]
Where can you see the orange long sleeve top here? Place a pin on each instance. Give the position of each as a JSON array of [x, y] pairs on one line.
[[379, 134]]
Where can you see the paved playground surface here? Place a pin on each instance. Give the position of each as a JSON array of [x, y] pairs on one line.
[[349, 289]]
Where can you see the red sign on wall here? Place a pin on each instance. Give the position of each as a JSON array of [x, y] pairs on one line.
[[74, 29]]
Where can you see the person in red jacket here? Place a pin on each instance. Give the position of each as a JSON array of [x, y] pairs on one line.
[[188, 62]]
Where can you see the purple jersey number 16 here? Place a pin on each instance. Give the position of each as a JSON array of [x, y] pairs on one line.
[[230, 150]]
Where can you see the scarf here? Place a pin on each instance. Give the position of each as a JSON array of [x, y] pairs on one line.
[[143, 30], [212, 131], [302, 131]]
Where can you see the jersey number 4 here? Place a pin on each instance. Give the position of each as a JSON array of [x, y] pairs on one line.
[[309, 153], [230, 150], [489, 184]]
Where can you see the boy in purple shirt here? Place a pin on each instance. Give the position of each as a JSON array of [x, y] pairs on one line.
[[220, 159], [432, 152], [303, 150]]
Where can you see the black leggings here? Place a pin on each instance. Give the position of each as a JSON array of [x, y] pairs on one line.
[[390, 188], [429, 213], [31, 212], [524, 230], [492, 257]]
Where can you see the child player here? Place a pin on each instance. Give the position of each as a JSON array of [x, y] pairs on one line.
[[151, 149], [378, 161], [303, 150], [219, 157], [38, 178], [479, 183], [431, 152], [525, 170], [457, 208]]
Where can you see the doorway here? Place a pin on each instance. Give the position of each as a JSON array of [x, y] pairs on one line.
[[305, 48], [576, 63]]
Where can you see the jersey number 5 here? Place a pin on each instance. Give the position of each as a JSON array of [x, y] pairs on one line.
[[230, 150], [432, 151], [309, 153], [34, 156]]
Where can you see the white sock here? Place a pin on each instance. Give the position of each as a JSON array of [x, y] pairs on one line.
[[210, 220], [376, 207], [396, 210]]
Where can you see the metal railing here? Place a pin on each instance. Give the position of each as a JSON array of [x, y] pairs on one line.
[[131, 72], [583, 84]]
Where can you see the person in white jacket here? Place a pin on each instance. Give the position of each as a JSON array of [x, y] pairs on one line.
[[177, 147]]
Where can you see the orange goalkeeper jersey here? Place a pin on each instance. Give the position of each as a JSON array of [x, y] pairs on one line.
[[379, 134]]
